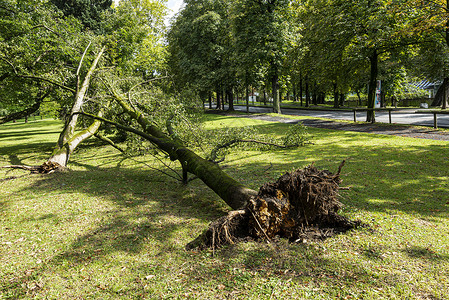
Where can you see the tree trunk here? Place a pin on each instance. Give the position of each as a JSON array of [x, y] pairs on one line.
[[230, 99], [218, 100], [307, 92], [68, 139], [295, 96], [336, 104], [315, 94], [445, 94], [275, 88], [61, 154], [445, 81], [223, 99], [370, 114], [247, 97], [235, 194], [342, 99], [210, 100], [359, 98]]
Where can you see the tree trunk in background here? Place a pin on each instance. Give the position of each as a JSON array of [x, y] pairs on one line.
[[370, 115], [276, 99], [300, 89], [445, 93], [445, 81], [295, 96], [247, 97], [307, 92], [359, 98], [218, 100], [342, 99], [314, 94], [223, 100], [336, 104], [230, 99]]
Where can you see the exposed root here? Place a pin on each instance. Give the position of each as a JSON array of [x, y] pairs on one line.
[[47, 167], [301, 206]]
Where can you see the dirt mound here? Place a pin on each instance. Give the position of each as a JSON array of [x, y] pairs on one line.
[[301, 205]]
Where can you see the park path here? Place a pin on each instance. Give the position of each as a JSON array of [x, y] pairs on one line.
[[376, 128]]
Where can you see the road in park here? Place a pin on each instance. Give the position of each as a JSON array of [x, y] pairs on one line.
[[401, 116]]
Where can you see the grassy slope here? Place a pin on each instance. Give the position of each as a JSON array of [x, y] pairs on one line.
[[113, 228]]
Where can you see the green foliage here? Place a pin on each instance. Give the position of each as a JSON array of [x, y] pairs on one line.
[[50, 109], [89, 12], [134, 32], [297, 135], [200, 48]]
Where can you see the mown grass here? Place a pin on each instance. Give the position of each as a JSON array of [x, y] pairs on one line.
[[112, 228]]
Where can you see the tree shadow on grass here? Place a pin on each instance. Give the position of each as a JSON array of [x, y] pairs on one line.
[[29, 149], [141, 213], [424, 253]]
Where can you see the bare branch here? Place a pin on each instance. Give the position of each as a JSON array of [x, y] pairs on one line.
[[82, 59]]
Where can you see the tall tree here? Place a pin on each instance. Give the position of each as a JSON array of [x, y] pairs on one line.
[[87, 11], [262, 36], [200, 47]]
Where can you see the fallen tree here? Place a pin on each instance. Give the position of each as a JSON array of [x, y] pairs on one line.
[[301, 205], [71, 136]]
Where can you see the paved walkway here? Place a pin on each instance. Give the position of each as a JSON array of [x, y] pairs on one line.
[[377, 128], [400, 116]]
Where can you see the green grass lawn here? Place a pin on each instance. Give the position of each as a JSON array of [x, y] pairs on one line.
[[114, 228]]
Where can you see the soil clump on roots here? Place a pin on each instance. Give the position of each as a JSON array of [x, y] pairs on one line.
[[300, 206]]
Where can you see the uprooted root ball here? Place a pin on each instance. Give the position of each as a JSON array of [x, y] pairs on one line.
[[301, 205]]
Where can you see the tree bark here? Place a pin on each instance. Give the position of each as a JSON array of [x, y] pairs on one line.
[[370, 114], [210, 100], [336, 104], [230, 99], [359, 98], [68, 139], [275, 88], [247, 97], [445, 93], [342, 99], [307, 92]]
